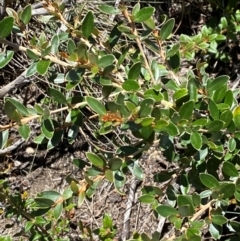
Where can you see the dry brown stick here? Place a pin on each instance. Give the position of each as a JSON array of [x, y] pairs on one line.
[[12, 147], [126, 220], [7, 88]]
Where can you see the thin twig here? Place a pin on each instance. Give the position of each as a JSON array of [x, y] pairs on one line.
[[126, 219], [13, 84], [12, 147]]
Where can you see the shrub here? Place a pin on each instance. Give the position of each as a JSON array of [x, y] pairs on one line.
[[131, 85]]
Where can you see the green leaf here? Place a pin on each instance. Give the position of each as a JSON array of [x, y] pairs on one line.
[[219, 219], [153, 94], [77, 117], [5, 58], [215, 231], [57, 95], [6, 26], [218, 82], [147, 198], [47, 128], [131, 85], [226, 116], [108, 9], [135, 9], [75, 75], [186, 110], [214, 126], [196, 140], [232, 144], [50, 195], [31, 70], [134, 71], [213, 109], [161, 177], [230, 169], [115, 163], [171, 129], [119, 180], [3, 138], [42, 66], [209, 180], [71, 46], [32, 55], [96, 160], [173, 50], [166, 210], [180, 93], [74, 187], [236, 117], [137, 171], [167, 28], [107, 222], [96, 105], [174, 62], [55, 44], [200, 122], [26, 14], [57, 211], [105, 61], [186, 202], [41, 139], [88, 25], [24, 131], [146, 107], [196, 199], [147, 121], [185, 210], [143, 14], [56, 138], [227, 189], [19, 106], [229, 98]]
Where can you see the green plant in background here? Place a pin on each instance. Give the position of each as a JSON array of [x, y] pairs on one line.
[[193, 119]]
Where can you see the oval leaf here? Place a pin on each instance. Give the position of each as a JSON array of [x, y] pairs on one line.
[[209, 180], [166, 210], [143, 14], [42, 66], [96, 105], [131, 85], [105, 61], [186, 110], [57, 95], [24, 131], [108, 9], [229, 169], [96, 160], [213, 109], [88, 25], [134, 71], [5, 58], [236, 117], [6, 26], [196, 140], [26, 14], [167, 28], [218, 82]]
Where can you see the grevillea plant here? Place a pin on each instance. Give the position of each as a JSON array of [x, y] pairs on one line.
[[129, 81]]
